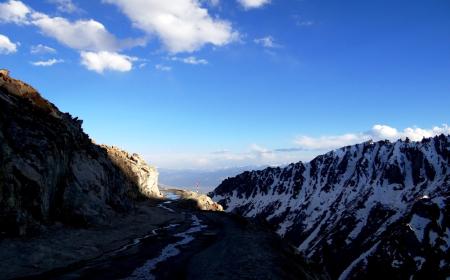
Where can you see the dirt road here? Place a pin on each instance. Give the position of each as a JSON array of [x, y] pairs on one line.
[[195, 245]]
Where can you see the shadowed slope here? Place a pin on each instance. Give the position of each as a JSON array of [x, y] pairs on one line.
[[50, 170]]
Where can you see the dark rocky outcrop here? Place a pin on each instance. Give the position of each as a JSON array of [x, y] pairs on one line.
[[377, 210], [50, 170]]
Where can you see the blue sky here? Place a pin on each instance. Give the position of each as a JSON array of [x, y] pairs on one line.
[[211, 84]]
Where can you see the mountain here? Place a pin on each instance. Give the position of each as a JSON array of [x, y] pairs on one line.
[[50, 170], [365, 211], [206, 179]]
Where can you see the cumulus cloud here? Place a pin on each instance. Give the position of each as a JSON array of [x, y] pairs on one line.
[[190, 60], [14, 12], [97, 45], [182, 25], [378, 132], [103, 60], [267, 42], [86, 34], [6, 46], [65, 6], [47, 63], [80, 35], [252, 4], [41, 49]]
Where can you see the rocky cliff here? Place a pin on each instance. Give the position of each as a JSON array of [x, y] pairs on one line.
[[370, 210], [50, 170], [137, 170]]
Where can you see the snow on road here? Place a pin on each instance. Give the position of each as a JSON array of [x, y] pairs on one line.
[[139, 240], [163, 206], [145, 272]]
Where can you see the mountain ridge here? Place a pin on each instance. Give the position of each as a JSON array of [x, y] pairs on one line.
[[343, 209]]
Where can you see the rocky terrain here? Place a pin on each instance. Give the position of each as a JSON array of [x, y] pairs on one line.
[[50, 170], [195, 200], [371, 210], [164, 239], [137, 170]]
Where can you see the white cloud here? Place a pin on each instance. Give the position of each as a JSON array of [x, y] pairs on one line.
[[329, 142], [378, 132], [254, 155], [383, 131], [83, 35], [101, 61], [267, 42], [190, 60], [163, 68], [182, 25], [47, 63], [80, 35], [97, 45], [14, 12], [65, 6], [252, 4], [6, 46], [307, 149], [41, 49]]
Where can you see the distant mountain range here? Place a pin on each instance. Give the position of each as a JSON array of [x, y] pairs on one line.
[[371, 210], [206, 179]]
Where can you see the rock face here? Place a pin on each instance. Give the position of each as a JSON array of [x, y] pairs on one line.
[[201, 201], [374, 209], [51, 171], [137, 170]]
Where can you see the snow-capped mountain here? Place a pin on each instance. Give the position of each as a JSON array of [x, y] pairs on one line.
[[373, 209]]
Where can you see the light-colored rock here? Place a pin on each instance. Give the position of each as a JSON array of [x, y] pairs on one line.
[[202, 201], [23, 90], [4, 72], [145, 176]]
